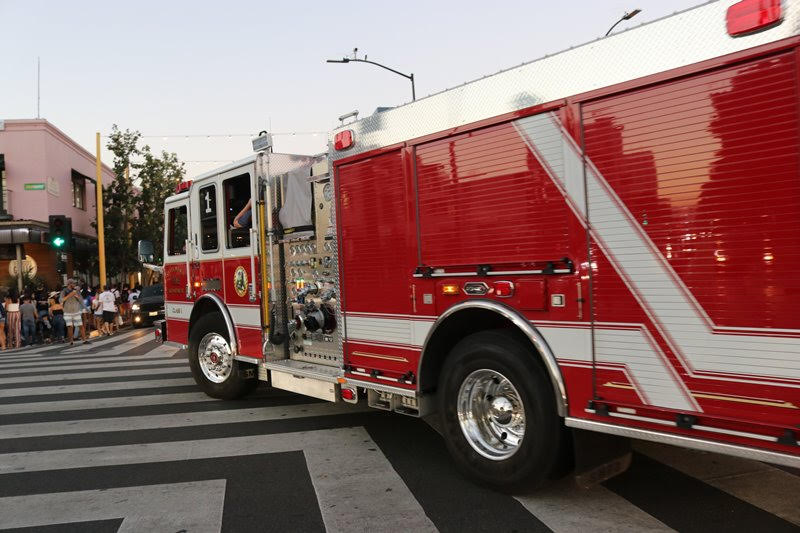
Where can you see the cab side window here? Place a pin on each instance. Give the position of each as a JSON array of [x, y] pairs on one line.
[[238, 210], [207, 198], [178, 231]]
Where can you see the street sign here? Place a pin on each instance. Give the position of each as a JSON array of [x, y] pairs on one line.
[[34, 186]]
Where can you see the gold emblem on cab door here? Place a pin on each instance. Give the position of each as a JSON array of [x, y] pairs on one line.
[[240, 281]]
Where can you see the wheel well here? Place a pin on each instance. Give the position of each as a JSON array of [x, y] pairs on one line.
[[206, 305], [454, 328], [202, 307]]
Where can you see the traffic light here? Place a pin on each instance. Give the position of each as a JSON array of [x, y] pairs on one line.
[[60, 232]]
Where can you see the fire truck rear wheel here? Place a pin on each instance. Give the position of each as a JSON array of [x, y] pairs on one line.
[[498, 413], [211, 360]]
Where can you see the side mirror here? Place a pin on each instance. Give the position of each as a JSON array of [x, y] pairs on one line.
[[147, 253]]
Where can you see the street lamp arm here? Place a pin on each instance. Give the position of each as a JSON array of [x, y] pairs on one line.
[[627, 16], [355, 60], [407, 76]]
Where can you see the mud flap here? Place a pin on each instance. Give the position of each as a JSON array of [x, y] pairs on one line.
[[599, 457]]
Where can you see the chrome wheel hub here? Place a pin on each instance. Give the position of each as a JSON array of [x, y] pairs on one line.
[[215, 357], [491, 414]]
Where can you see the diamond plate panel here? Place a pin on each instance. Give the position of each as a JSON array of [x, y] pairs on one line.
[[689, 37]]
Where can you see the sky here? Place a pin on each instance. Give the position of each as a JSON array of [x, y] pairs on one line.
[[199, 78]]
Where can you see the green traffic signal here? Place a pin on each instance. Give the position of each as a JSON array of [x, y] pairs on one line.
[[60, 232]]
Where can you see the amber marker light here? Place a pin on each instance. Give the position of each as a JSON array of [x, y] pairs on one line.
[[450, 289]]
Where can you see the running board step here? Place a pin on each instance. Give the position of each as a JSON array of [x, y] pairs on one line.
[[309, 379]]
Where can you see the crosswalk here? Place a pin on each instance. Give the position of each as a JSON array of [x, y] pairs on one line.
[[115, 436]]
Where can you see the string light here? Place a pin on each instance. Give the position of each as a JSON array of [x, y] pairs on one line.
[[229, 135]]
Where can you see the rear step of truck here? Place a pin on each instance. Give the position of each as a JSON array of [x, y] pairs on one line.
[[318, 381]]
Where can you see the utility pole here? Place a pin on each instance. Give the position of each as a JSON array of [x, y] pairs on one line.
[[38, 85], [101, 243], [19, 268]]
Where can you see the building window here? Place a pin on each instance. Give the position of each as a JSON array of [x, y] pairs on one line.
[[78, 192]]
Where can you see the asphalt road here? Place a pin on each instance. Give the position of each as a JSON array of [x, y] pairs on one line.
[[115, 436]]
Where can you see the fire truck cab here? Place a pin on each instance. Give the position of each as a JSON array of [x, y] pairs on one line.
[[601, 240]]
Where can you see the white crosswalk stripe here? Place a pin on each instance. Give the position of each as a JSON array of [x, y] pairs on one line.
[[195, 506], [52, 358], [173, 420], [116, 349], [99, 366], [95, 387], [566, 508], [86, 375], [103, 403], [58, 347], [76, 359]]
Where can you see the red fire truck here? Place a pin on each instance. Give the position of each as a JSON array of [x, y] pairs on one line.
[[599, 242]]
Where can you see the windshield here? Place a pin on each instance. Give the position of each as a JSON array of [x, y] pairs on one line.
[[152, 290]]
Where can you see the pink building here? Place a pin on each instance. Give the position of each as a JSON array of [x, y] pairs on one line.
[[43, 172]]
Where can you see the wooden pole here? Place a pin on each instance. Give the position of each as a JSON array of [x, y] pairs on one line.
[[19, 268], [101, 243]]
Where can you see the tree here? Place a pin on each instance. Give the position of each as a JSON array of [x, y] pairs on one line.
[[119, 204], [158, 177], [133, 203]]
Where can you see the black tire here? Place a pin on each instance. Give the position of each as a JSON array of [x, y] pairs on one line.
[[236, 384], [539, 456]]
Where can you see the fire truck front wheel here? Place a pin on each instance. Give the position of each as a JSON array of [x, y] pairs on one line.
[[212, 363], [498, 413]]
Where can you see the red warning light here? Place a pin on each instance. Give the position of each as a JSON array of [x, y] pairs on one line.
[[748, 16]]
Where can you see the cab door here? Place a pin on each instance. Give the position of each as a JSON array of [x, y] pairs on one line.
[[206, 261], [240, 262], [177, 269]]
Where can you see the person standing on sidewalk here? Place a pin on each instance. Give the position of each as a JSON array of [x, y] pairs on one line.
[[57, 315], [97, 307], [108, 303], [12, 318], [27, 313], [2, 325], [73, 310]]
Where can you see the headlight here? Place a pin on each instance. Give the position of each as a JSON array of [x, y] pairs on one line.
[[135, 307]]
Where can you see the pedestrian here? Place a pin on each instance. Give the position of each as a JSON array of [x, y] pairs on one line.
[[2, 326], [124, 306], [43, 314], [12, 317], [117, 300], [134, 294], [109, 307], [57, 316], [86, 293], [27, 312], [71, 299], [97, 307]]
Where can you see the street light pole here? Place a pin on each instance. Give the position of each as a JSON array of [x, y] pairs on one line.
[[626, 16], [409, 77], [101, 243]]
